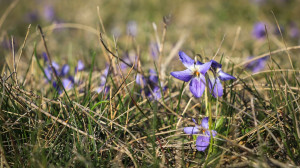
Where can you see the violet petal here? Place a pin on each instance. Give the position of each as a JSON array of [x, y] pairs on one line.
[[225, 76], [185, 59], [185, 75], [215, 64], [64, 70], [216, 87], [191, 130], [205, 67], [197, 86], [140, 80], [202, 142], [204, 123]]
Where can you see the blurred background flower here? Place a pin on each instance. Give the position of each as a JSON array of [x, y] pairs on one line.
[[49, 13], [257, 65], [259, 31], [132, 28], [294, 30]]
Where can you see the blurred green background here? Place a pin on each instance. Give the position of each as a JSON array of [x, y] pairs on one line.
[[204, 22]]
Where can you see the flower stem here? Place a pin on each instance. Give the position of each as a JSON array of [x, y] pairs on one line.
[[208, 113]]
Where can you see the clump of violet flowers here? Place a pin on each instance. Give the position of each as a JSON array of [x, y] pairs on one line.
[[151, 85], [201, 76], [195, 74], [103, 79], [257, 65], [67, 79]]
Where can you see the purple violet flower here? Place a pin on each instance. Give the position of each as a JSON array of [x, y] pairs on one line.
[[45, 57], [156, 93], [154, 50], [294, 31], [140, 80], [256, 65], [195, 73], [64, 70], [48, 70], [153, 76], [129, 58], [216, 75], [132, 28], [203, 138], [79, 67], [49, 13], [116, 32], [259, 30], [152, 81], [55, 85], [103, 78], [102, 89], [67, 83], [154, 85], [32, 16], [55, 66], [48, 73]]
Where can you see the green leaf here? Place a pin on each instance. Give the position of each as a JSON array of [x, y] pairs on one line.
[[219, 123], [97, 104]]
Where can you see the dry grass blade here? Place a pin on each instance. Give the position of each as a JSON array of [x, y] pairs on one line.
[[286, 48], [255, 120], [108, 120], [23, 101], [23, 45], [264, 55], [107, 49], [185, 109]]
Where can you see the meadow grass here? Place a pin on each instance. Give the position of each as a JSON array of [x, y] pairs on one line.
[[124, 124]]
